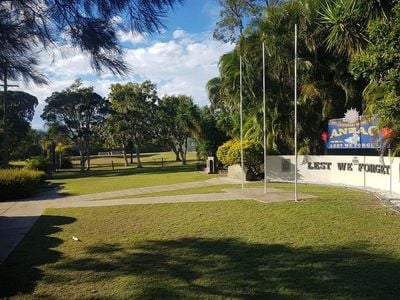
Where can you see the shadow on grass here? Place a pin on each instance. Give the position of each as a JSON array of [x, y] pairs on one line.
[[232, 268], [124, 172], [227, 268], [20, 272]]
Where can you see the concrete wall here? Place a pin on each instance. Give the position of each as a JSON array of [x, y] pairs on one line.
[[360, 171]]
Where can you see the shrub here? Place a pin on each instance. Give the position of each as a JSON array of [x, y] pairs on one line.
[[38, 163], [19, 183], [229, 154]]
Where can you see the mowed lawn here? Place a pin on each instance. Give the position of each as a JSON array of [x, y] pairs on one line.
[[342, 245], [102, 178]]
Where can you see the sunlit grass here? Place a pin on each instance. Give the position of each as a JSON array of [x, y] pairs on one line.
[[97, 181], [342, 245]]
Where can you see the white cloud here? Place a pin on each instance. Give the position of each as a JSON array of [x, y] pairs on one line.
[[179, 66], [131, 37], [178, 34]]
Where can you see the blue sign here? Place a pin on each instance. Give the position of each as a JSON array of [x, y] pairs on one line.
[[363, 134]]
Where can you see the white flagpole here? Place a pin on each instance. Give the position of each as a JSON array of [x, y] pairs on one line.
[[241, 121], [295, 111], [264, 129]]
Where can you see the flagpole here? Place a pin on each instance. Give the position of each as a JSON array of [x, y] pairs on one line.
[[264, 129], [295, 112], [241, 121]]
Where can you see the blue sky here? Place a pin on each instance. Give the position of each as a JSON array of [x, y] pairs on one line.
[[180, 60]]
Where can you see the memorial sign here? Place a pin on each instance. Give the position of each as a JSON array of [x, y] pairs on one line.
[[354, 132]]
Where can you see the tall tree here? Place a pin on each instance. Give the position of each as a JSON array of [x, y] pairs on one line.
[[326, 88], [346, 23], [20, 111], [133, 112], [210, 136], [179, 120], [81, 112], [117, 133], [379, 64], [235, 14]]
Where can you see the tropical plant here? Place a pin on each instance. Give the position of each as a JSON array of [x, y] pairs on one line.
[[179, 120], [378, 63]]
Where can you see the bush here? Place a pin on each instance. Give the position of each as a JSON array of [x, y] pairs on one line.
[[19, 183], [38, 163], [229, 154]]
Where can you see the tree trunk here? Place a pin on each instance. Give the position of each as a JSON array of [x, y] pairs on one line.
[[124, 153], [88, 162], [182, 153], [139, 163], [185, 152], [131, 154], [60, 161], [176, 151], [82, 160], [88, 158]]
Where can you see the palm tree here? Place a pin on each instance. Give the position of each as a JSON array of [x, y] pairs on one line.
[[346, 21]]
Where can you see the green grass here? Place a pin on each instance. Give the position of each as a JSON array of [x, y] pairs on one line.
[[96, 181], [203, 190], [199, 190], [342, 245], [148, 159]]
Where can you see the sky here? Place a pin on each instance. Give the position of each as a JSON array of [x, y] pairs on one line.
[[179, 61]]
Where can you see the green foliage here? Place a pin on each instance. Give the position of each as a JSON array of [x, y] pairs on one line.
[[80, 113], [89, 26], [329, 34], [379, 64], [19, 113], [19, 183], [229, 154], [132, 119], [38, 163], [223, 153], [179, 119], [210, 137]]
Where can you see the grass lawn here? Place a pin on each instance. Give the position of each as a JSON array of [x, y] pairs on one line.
[[96, 181], [187, 191], [342, 245], [209, 189], [148, 159]]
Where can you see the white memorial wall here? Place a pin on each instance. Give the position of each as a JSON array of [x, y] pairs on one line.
[[359, 171]]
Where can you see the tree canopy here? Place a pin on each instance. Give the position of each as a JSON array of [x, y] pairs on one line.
[[132, 119], [347, 54], [28, 27], [80, 112], [20, 111]]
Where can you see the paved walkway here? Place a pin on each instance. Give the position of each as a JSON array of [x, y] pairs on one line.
[[16, 218]]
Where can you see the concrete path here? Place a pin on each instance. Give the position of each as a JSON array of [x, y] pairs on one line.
[[16, 218]]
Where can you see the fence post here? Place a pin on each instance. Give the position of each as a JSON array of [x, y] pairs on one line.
[[112, 165]]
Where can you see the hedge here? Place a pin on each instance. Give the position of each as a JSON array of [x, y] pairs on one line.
[[19, 183], [229, 154]]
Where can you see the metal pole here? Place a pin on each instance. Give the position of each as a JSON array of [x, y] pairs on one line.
[[264, 129], [390, 169], [295, 112], [241, 121], [5, 131]]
